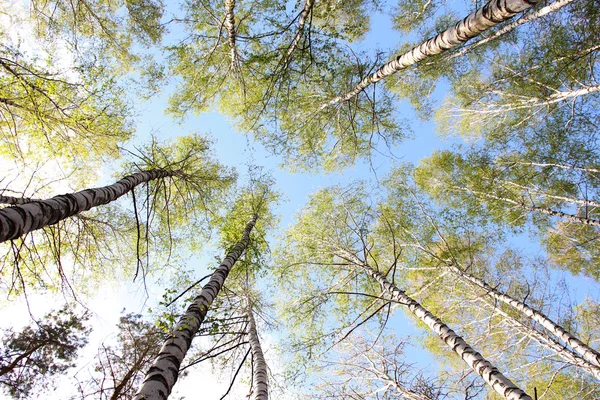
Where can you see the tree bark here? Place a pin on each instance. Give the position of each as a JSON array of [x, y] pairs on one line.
[[16, 201], [493, 13], [260, 387], [231, 34], [557, 5], [476, 361], [534, 190], [588, 353], [18, 220], [308, 4], [161, 377], [551, 344], [562, 166]]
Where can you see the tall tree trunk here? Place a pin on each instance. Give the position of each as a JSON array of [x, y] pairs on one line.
[[19, 220], [493, 13], [535, 190], [555, 6], [260, 387], [308, 4], [231, 34], [490, 374], [588, 353], [566, 354], [527, 102], [163, 374], [561, 166]]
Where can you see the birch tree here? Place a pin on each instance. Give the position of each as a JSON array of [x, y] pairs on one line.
[[451, 240], [513, 191], [280, 66], [345, 241], [72, 253], [472, 25], [161, 377]]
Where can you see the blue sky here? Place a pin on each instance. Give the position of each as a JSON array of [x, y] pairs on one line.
[[237, 150]]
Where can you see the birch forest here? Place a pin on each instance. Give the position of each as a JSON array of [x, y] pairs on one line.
[[307, 199]]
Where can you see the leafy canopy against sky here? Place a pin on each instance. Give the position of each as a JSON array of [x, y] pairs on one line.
[[477, 164]]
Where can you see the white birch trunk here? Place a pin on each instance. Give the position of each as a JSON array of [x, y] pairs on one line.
[[522, 102], [561, 166], [231, 34], [18, 220], [588, 353], [476, 361], [534, 190], [163, 374], [493, 13], [569, 217], [557, 5], [566, 354], [260, 379], [308, 4]]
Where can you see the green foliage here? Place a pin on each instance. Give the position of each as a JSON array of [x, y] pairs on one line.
[[105, 27], [193, 197], [77, 115], [509, 190], [274, 90], [30, 358]]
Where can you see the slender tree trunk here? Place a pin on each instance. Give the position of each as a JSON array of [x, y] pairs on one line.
[[18, 220], [524, 103], [562, 166], [534, 190], [308, 4], [588, 353], [490, 374], [569, 217], [557, 5], [567, 355], [260, 387], [231, 34], [493, 13], [163, 374]]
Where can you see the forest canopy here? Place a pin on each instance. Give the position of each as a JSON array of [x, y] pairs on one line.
[[359, 199]]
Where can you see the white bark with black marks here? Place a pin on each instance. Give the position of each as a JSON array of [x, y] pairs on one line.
[[555, 6], [589, 354], [308, 4], [260, 386], [163, 374], [231, 34], [490, 374], [18, 220], [493, 13]]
